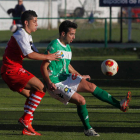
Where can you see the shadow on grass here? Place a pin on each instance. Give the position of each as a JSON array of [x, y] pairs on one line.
[[71, 128], [127, 76]]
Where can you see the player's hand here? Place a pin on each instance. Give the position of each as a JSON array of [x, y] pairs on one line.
[[87, 77], [51, 86], [53, 56]]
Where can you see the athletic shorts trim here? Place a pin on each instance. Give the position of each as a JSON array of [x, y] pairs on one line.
[[66, 89], [16, 79]]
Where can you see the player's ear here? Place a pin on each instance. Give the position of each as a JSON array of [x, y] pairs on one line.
[[63, 34], [26, 22]]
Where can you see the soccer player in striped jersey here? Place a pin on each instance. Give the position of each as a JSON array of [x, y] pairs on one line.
[[63, 82], [18, 79]]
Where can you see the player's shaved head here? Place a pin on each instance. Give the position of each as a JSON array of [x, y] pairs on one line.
[[65, 25], [28, 15]]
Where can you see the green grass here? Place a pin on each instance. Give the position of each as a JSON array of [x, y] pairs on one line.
[[57, 121]]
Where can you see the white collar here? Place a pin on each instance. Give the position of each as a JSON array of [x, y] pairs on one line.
[[61, 43]]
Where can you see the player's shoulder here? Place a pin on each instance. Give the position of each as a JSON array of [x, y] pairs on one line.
[[52, 46], [53, 42], [21, 34]]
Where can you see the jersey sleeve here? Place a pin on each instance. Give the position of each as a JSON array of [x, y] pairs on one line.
[[24, 42], [34, 48], [51, 48], [24, 46]]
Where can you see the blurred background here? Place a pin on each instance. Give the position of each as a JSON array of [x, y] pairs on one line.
[[98, 25]]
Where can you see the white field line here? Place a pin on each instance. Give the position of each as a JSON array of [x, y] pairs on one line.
[[64, 109]]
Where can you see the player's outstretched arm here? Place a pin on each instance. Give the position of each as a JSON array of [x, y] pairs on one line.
[[38, 56]]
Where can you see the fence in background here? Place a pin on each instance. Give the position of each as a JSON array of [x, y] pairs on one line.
[[91, 32]]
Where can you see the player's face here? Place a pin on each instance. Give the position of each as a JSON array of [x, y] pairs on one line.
[[70, 36], [31, 25], [20, 2]]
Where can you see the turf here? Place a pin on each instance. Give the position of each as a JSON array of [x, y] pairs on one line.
[[57, 121]]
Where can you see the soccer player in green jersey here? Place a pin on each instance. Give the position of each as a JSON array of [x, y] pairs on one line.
[[64, 83]]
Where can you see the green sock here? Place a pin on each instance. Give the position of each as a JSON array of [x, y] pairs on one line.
[[83, 114], [106, 97]]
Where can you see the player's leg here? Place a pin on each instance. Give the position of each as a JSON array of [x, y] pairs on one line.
[[35, 84], [66, 94], [25, 83], [36, 88], [25, 131], [86, 86], [79, 100], [25, 93], [82, 111]]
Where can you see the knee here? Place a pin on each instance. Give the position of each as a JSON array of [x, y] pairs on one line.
[[42, 87], [81, 101], [91, 87]]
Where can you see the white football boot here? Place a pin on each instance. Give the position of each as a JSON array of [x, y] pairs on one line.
[[91, 132]]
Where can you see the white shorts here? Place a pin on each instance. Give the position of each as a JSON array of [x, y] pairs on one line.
[[66, 89]]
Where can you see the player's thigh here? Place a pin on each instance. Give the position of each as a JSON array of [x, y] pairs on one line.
[[86, 86], [35, 84], [63, 93], [73, 81], [16, 79], [77, 99]]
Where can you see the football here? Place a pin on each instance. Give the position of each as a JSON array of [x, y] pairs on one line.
[[109, 67], [13, 28]]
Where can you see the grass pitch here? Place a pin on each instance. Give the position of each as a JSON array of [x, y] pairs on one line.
[[57, 121]]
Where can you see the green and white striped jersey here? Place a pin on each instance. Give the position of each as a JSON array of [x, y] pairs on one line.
[[58, 70]]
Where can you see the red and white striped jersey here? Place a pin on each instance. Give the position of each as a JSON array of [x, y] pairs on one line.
[[19, 46]]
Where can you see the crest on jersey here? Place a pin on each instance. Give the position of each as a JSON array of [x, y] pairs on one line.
[[67, 90], [74, 76], [62, 54]]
